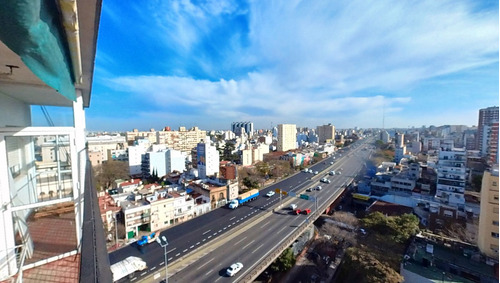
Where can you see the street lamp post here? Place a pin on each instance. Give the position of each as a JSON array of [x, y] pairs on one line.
[[116, 230], [164, 243]]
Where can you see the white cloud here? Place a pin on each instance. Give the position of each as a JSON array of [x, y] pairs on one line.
[[312, 60]]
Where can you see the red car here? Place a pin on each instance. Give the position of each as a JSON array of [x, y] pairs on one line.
[[296, 212], [306, 211]]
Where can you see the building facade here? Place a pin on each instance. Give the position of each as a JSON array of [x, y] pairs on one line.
[[207, 160], [239, 127], [488, 217], [486, 117], [287, 137], [451, 177], [326, 134]]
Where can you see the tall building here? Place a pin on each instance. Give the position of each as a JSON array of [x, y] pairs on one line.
[[451, 177], [183, 139], [238, 127], [207, 160], [492, 143], [47, 58], [326, 133], [486, 117], [287, 137], [399, 139], [487, 239], [162, 162]]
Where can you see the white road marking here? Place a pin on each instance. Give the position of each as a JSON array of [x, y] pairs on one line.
[[265, 224], [248, 244], [258, 248], [205, 263], [206, 232], [162, 263], [133, 279], [184, 250], [210, 236], [282, 229], [232, 218], [144, 273], [220, 231], [153, 268], [191, 247], [239, 241], [171, 258], [198, 243], [171, 250], [209, 271]]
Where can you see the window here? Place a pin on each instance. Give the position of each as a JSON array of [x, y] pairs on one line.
[[494, 248], [495, 223], [494, 235]]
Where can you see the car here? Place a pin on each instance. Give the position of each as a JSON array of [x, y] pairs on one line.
[[234, 268], [331, 163], [296, 211], [338, 173], [309, 190], [306, 211], [270, 194], [324, 180], [315, 172], [293, 206], [305, 170], [318, 188]]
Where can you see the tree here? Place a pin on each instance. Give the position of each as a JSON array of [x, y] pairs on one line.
[[367, 269], [397, 228], [284, 262], [109, 171], [250, 183]]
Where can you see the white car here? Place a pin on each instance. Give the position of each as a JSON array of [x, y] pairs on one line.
[[293, 206], [318, 188], [270, 194], [315, 172], [234, 268]]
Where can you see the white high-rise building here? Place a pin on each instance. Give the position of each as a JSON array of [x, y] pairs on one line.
[[207, 160], [451, 177], [163, 162], [176, 161], [287, 137], [135, 158]]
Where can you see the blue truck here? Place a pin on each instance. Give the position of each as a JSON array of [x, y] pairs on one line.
[[147, 239], [244, 197]]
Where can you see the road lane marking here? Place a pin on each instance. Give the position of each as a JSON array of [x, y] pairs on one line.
[[178, 254], [257, 248], [209, 237], [198, 243], [232, 218], [239, 241], [153, 268], [248, 244], [133, 279], [162, 263], [191, 247], [265, 223], [206, 232], [144, 273], [220, 231], [209, 271], [205, 263], [282, 229], [184, 250], [204, 240], [171, 258], [171, 250], [218, 279]]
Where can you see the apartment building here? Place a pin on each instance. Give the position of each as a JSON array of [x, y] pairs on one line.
[[183, 140], [487, 239], [242, 127], [137, 135], [207, 158], [105, 144], [487, 116], [46, 61], [162, 162], [450, 187], [287, 137], [326, 133]]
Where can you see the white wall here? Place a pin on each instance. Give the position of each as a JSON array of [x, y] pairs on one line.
[[13, 112]]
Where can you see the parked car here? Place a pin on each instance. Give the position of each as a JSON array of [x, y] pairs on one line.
[[315, 172], [306, 211], [270, 194], [318, 188], [234, 268], [296, 211], [331, 163], [309, 190]]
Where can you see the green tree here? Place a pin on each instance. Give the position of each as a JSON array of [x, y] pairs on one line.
[[368, 269], [284, 262], [397, 228], [250, 183], [109, 171]]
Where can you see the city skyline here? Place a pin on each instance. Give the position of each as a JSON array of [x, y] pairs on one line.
[[208, 64]]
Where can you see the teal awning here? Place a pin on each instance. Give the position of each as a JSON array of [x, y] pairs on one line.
[[33, 30]]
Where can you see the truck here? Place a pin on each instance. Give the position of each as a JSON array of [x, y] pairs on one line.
[[127, 267], [147, 239], [244, 197]]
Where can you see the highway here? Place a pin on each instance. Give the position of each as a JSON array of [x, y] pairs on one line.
[[189, 236]]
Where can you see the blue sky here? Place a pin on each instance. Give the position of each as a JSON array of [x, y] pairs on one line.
[[210, 63]]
